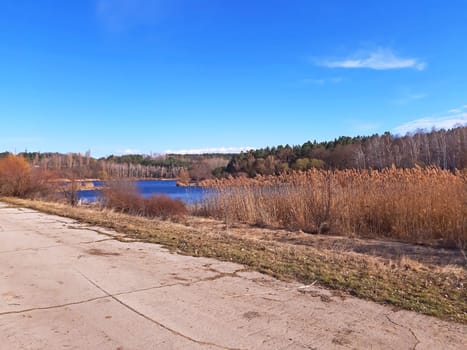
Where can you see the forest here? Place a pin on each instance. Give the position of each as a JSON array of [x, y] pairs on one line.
[[446, 149], [139, 166]]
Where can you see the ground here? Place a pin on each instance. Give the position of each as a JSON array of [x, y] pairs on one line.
[[71, 285]]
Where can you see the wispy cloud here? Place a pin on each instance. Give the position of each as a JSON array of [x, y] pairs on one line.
[[454, 117], [360, 126], [409, 98], [120, 15], [380, 59], [210, 150], [322, 81]]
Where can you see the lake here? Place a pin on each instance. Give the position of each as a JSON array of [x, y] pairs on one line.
[[190, 195]]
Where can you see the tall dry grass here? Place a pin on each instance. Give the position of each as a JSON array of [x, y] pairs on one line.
[[413, 205]]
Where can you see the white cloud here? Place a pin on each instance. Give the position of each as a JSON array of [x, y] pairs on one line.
[[128, 151], [457, 109], [443, 122], [380, 59], [210, 150]]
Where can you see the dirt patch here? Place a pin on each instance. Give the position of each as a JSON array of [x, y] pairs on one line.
[[251, 315], [100, 252], [343, 337], [315, 293], [386, 249], [11, 295], [178, 278]]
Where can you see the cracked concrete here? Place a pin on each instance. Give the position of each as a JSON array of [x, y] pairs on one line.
[[63, 284], [417, 341], [139, 313]]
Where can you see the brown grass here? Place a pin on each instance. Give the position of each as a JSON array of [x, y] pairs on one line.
[[412, 205], [411, 282], [124, 197]]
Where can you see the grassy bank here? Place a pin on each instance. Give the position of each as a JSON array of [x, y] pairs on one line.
[[431, 287]]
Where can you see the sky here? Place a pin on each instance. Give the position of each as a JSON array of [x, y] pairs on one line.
[[156, 76]]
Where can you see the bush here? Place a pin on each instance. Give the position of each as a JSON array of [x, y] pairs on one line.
[[124, 197], [15, 176], [165, 207], [19, 179]]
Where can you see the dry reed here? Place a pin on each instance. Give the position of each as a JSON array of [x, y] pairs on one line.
[[413, 205]]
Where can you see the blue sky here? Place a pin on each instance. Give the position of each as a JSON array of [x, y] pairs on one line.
[[123, 76]]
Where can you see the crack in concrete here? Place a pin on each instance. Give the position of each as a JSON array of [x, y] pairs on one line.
[[30, 249], [184, 284], [22, 211], [221, 274], [417, 341], [52, 307], [16, 212], [107, 296], [92, 229], [10, 230], [98, 241], [55, 246], [121, 237], [173, 331]]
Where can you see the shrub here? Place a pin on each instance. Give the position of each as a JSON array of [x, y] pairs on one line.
[[164, 206], [19, 179], [124, 197], [15, 176]]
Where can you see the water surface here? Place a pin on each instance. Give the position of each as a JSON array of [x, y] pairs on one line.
[[190, 195]]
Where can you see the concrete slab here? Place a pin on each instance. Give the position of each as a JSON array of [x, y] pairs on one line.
[[64, 285]]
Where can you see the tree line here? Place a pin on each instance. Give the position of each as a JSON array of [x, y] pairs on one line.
[[446, 149], [171, 166]]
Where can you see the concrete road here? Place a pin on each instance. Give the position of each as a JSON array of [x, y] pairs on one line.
[[64, 285]]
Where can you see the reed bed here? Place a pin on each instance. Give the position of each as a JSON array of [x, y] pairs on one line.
[[419, 205]]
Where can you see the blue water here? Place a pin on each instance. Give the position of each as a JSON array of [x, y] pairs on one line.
[[146, 188]]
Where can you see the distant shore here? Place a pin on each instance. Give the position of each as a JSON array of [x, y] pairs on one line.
[[89, 184]]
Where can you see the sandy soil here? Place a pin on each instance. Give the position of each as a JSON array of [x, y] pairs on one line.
[[64, 285]]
